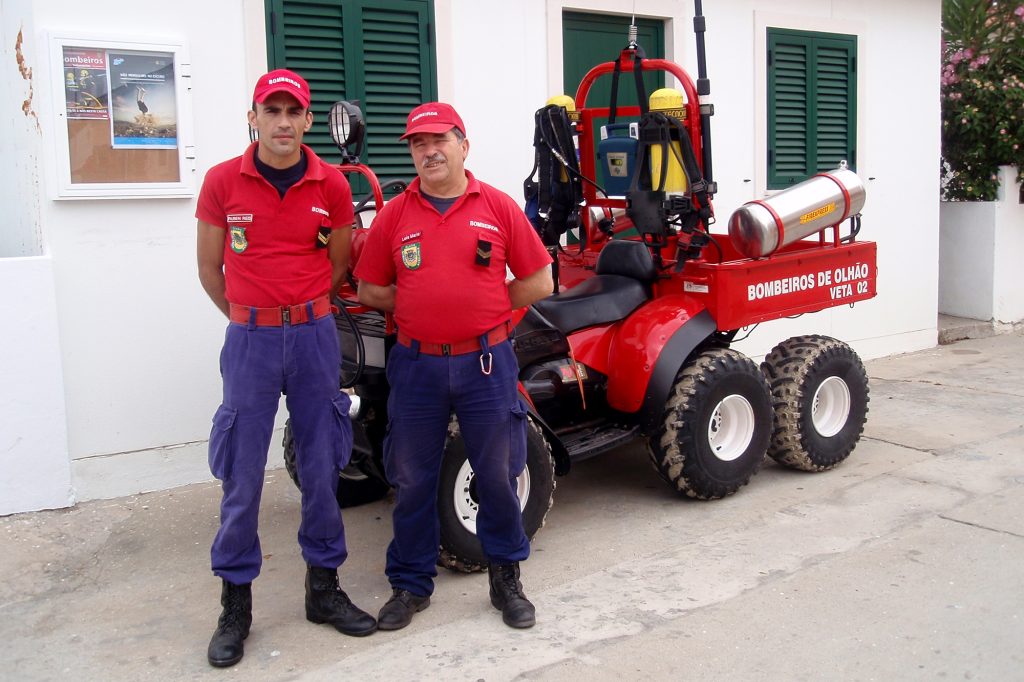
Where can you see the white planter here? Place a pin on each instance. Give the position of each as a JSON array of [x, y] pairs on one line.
[[981, 255]]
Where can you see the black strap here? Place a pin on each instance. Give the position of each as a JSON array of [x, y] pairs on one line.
[[638, 76], [558, 201], [648, 205]]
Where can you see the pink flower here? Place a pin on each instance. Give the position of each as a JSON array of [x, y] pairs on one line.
[[1019, 12]]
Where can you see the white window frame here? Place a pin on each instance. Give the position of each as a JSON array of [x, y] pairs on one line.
[[61, 185], [762, 22], [668, 11]]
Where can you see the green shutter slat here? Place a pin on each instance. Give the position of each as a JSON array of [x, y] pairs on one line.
[[395, 60], [833, 121], [790, 108]]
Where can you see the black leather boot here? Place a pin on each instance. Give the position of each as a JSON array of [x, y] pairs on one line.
[[326, 602], [232, 627], [400, 608], [507, 596]]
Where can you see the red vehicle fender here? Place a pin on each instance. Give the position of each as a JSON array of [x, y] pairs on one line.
[[648, 349]]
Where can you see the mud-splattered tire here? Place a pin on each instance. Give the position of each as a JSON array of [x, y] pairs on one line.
[[457, 503], [716, 425], [354, 487], [820, 401]]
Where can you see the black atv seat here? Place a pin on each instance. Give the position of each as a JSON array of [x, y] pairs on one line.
[[622, 284], [627, 258]]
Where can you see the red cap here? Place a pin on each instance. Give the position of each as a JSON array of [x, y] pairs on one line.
[[433, 117], [281, 80]]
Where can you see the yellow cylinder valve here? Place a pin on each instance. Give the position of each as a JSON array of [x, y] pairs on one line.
[[563, 101], [670, 102]]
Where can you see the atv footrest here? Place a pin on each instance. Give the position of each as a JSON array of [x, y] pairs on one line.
[[585, 443]]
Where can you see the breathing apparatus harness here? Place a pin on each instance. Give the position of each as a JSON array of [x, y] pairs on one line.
[[649, 206], [554, 199]]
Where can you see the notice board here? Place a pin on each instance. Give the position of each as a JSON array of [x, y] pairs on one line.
[[122, 109]]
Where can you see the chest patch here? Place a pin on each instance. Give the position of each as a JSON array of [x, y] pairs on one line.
[[238, 241], [411, 256]]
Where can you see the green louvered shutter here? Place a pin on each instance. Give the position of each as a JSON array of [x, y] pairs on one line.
[[378, 53], [398, 75], [812, 123]]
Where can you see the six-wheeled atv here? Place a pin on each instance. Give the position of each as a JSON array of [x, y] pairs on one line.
[[635, 343]]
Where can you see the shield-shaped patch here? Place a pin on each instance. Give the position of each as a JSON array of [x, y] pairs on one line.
[[411, 255], [238, 240]]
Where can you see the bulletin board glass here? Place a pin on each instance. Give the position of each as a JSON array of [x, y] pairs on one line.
[[123, 122]]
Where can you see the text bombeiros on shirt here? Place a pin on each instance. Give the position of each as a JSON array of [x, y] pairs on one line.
[[842, 283]]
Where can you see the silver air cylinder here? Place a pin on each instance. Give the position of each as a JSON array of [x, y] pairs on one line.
[[759, 228]]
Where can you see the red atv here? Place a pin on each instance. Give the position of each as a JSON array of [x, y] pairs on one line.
[[636, 341]]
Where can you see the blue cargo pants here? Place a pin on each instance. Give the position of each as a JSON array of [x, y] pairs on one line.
[[258, 364], [425, 390]]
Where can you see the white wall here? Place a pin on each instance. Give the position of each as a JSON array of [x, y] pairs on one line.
[[20, 141], [138, 339], [1007, 283], [979, 257], [34, 469], [967, 258]]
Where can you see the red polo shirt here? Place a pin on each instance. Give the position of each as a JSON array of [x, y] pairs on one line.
[[448, 290], [271, 257]]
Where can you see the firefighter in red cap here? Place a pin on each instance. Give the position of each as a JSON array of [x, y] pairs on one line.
[[445, 245], [274, 232]]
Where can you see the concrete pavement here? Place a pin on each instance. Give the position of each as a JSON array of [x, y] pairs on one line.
[[903, 563]]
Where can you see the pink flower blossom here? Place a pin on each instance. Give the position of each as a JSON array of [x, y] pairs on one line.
[[1019, 12]]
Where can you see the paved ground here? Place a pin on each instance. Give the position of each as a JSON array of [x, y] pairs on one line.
[[903, 563]]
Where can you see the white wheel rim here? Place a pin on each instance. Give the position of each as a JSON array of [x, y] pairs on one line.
[[731, 427], [830, 408], [466, 507]]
